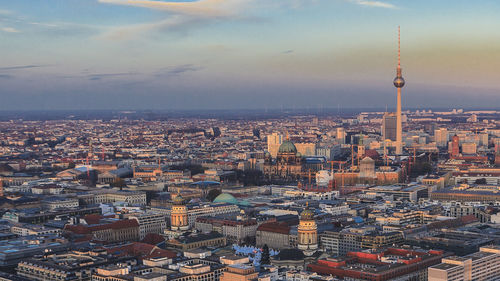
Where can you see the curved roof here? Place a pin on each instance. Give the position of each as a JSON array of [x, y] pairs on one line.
[[178, 200], [226, 198], [287, 147], [307, 214]]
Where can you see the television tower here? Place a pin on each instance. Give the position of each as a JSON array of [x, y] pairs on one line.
[[399, 83]]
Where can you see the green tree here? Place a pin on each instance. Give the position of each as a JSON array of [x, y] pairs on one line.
[[213, 193], [265, 257], [480, 181], [119, 182]]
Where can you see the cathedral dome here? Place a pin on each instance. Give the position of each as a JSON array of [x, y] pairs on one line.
[[178, 200], [226, 198], [287, 147], [307, 214]]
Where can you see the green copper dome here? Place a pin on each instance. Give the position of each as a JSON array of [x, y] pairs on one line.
[[226, 198], [287, 147]]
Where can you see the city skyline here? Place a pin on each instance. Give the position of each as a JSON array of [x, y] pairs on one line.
[[248, 54]]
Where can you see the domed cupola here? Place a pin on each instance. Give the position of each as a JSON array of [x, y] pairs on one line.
[[287, 147]]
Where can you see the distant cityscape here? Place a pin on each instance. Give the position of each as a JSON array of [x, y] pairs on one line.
[[299, 197], [326, 193]]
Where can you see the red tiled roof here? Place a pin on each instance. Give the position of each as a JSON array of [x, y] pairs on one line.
[[275, 227], [153, 239], [141, 250], [82, 229]]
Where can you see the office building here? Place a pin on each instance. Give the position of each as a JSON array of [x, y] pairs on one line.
[[389, 126], [482, 265]]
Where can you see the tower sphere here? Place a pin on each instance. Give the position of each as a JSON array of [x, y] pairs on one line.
[[399, 82]]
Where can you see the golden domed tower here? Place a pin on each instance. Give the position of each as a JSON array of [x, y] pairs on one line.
[[307, 232], [179, 214]]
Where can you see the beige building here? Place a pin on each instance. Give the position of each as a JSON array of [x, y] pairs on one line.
[[239, 273], [483, 265], [150, 223], [111, 196]]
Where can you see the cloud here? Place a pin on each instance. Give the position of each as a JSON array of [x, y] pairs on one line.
[[180, 16], [377, 4], [178, 70], [201, 8], [99, 76], [173, 23], [9, 29], [22, 67], [6, 76], [287, 52]]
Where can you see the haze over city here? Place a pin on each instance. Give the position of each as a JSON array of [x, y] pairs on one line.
[[246, 54]]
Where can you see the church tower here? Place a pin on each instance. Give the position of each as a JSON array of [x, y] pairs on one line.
[[307, 232], [179, 214]]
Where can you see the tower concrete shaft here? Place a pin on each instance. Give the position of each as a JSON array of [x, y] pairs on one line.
[[399, 83], [399, 126]]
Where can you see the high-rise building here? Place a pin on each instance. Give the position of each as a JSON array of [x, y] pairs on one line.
[[399, 83], [455, 146], [307, 232], [441, 137], [389, 124], [273, 143], [341, 135]]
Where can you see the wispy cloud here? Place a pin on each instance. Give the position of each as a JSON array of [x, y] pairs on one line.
[[9, 29], [22, 67], [99, 76], [178, 70], [201, 8], [377, 4], [180, 16]]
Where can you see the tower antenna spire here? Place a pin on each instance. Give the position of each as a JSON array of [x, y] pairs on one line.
[[399, 47]]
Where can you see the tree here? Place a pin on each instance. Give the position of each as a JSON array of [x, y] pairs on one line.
[[265, 258], [480, 181], [118, 182], [212, 194]]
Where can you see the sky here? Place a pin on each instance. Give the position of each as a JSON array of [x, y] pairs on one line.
[[247, 54]]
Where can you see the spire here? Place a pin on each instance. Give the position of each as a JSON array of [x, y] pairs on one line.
[[399, 47], [399, 82]]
